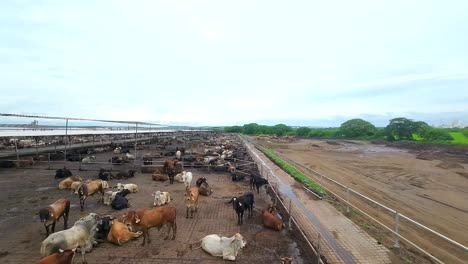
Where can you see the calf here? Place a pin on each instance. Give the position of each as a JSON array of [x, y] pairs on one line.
[[50, 215], [120, 202], [80, 235], [271, 220], [144, 219], [62, 173], [257, 181], [66, 183], [171, 174], [89, 189], [179, 177], [161, 198], [63, 257], [103, 228], [187, 178], [191, 200], [242, 203], [159, 177]]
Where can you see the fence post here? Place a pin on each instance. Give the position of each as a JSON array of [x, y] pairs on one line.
[[396, 246], [290, 215], [79, 157], [16, 150], [318, 249], [48, 160], [347, 200]]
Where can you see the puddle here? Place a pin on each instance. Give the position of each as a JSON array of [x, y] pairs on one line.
[[40, 189]]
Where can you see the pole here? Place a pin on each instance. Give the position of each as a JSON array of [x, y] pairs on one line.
[[290, 215], [16, 150], [136, 131], [66, 139], [396, 246], [48, 159]]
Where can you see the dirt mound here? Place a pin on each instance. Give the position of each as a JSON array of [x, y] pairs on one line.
[[449, 165], [463, 174], [330, 142]]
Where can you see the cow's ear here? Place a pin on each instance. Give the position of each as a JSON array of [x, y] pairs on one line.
[[112, 222], [137, 219], [61, 250], [73, 249], [51, 213]]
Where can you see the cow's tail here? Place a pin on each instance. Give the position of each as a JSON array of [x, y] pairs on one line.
[[67, 207]]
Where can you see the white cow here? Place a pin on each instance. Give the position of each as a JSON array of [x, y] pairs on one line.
[[178, 177], [178, 154], [109, 197], [118, 150], [129, 186], [89, 159], [161, 198], [80, 235], [130, 156], [187, 179], [226, 247]]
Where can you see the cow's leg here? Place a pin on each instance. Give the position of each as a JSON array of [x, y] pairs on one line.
[[65, 221], [53, 226], [148, 236], [47, 230], [187, 211], [83, 259], [174, 230]]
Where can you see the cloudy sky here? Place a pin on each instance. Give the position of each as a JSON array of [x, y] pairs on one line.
[[234, 62]]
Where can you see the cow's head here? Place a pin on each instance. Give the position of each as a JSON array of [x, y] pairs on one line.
[[105, 185], [240, 240], [45, 213]]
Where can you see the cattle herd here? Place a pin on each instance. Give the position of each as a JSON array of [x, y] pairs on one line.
[[221, 153]]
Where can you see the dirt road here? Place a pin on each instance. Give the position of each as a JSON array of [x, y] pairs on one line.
[[426, 186]]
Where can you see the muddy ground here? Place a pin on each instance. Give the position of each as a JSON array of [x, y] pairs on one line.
[[24, 191], [428, 183]]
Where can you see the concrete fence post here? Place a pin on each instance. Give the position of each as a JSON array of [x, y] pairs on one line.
[[290, 215], [318, 248], [48, 160], [396, 246], [347, 201]]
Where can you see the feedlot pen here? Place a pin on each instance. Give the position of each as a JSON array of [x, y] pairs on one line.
[[24, 191]]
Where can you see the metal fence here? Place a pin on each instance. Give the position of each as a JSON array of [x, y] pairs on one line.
[[396, 231]]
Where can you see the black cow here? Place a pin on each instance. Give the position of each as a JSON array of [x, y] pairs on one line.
[[120, 201], [63, 173], [237, 177], [7, 164], [188, 158], [202, 180], [242, 203], [103, 228], [171, 173], [125, 174], [105, 175], [257, 181]]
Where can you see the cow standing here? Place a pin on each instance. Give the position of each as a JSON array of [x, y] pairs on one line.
[[51, 214]]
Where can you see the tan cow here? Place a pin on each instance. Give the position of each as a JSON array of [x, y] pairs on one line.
[[66, 183], [191, 198]]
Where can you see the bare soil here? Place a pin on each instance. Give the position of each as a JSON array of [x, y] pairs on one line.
[[426, 182], [24, 191]]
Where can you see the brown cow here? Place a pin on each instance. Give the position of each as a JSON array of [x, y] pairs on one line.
[[270, 220], [66, 183], [119, 233], [89, 189], [50, 214], [159, 177], [24, 161], [205, 189], [64, 257], [143, 219], [191, 197]]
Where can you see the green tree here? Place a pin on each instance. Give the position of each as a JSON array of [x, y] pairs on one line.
[[435, 134], [233, 129], [302, 131], [250, 129], [356, 128], [402, 128], [280, 129]]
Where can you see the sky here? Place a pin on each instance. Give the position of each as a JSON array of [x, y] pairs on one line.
[[314, 63]]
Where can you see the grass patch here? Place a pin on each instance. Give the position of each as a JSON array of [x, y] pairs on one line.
[[295, 173], [458, 138]]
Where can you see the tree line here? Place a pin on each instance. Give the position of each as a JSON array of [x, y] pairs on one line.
[[398, 129]]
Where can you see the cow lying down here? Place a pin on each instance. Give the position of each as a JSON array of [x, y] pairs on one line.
[[226, 247], [80, 235]]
